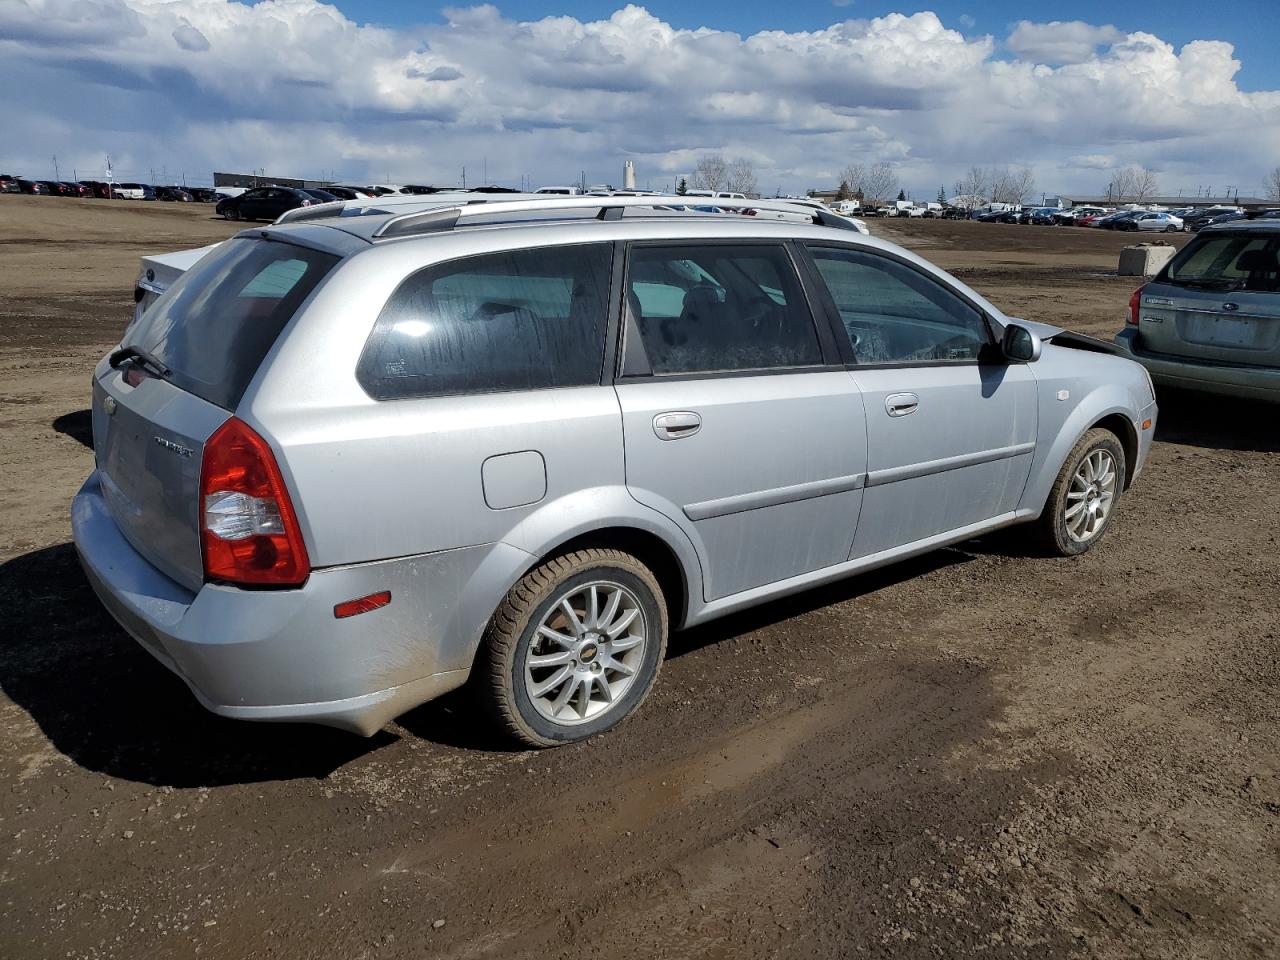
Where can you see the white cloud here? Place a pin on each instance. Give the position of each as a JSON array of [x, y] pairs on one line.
[[297, 88], [1060, 41], [1093, 161], [967, 21]]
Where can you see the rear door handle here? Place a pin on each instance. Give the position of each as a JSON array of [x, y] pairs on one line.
[[901, 404], [677, 424]]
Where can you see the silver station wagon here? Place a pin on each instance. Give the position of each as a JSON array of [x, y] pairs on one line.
[[355, 459]]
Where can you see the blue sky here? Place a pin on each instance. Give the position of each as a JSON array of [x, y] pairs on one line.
[[1252, 26], [387, 90]]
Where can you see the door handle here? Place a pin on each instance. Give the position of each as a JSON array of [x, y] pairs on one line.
[[677, 424], [901, 404]]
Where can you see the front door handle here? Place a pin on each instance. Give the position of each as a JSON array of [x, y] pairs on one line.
[[676, 425], [901, 404]]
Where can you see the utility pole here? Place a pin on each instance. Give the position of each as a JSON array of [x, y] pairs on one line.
[[464, 176], [56, 176]]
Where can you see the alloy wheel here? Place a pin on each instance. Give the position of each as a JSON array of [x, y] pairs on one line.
[[586, 652], [1090, 496]]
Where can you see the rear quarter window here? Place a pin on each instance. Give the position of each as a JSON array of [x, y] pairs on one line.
[[517, 320]]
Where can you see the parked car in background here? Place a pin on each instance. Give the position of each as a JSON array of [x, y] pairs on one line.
[[9, 183], [1118, 220], [266, 430], [134, 191], [33, 187], [57, 188], [321, 196], [1210, 320], [1073, 216], [177, 194], [1153, 223], [1043, 216], [1202, 215], [202, 194], [263, 203], [347, 193]]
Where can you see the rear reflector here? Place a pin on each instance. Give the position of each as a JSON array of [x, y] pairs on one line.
[[362, 604]]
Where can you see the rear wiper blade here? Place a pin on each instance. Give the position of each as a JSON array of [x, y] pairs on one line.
[[1207, 284], [140, 356]]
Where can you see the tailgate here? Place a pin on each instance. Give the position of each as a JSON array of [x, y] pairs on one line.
[[1231, 327], [148, 441]]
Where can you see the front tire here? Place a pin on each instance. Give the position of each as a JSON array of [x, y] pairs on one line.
[[574, 648], [1085, 495]]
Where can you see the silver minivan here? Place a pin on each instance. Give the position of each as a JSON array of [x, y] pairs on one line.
[[348, 462]]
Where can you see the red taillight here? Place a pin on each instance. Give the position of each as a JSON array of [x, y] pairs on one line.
[[248, 529], [1135, 302]]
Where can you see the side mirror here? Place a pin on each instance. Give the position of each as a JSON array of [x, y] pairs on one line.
[[1019, 344]]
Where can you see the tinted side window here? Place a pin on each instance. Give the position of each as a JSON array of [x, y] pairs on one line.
[[708, 308], [894, 314], [520, 320]]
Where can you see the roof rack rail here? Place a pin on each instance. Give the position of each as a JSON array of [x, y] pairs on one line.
[[447, 217]]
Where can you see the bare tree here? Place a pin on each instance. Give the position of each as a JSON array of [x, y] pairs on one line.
[[741, 177], [1271, 184], [1145, 184], [973, 189], [855, 175], [1010, 186], [710, 173], [1133, 184], [881, 181]]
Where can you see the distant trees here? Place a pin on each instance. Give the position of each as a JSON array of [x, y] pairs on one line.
[[710, 173], [942, 195], [1271, 184], [980, 185], [682, 186], [714, 172], [1134, 184], [902, 195], [741, 177], [876, 182]]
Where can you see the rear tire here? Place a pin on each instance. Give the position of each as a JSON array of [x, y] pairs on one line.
[[1084, 497], [550, 678]]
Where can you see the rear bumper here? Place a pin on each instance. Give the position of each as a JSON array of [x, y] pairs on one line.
[[281, 655], [1233, 380]]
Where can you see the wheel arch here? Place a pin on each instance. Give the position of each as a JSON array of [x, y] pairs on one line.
[[1123, 428], [647, 547]]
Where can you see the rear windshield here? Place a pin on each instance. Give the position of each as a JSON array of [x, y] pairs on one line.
[[1225, 261], [217, 321]]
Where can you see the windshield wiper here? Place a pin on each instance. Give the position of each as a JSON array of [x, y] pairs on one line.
[[1204, 283], [142, 358]]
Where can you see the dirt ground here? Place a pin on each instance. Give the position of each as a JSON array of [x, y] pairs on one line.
[[976, 753]]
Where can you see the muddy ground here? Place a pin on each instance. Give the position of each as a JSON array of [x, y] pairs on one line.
[[977, 753]]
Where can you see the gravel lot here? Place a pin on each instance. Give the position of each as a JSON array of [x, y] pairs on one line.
[[977, 753]]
